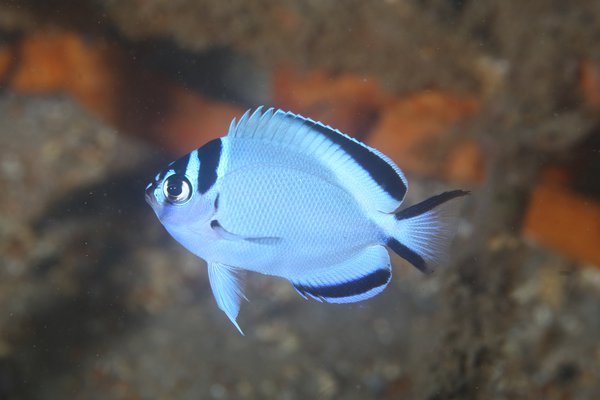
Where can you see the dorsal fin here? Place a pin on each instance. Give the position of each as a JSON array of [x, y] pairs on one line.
[[374, 180]]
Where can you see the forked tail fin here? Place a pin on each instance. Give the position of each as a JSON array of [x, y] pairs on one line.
[[423, 232]]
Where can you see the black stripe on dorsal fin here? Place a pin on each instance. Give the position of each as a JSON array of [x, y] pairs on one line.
[[378, 168], [375, 180], [209, 156]]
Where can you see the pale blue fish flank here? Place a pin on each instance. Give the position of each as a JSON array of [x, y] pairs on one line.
[[288, 196]]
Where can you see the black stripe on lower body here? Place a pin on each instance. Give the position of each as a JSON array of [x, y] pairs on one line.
[[354, 287]]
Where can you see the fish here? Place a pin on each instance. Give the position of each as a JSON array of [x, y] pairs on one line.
[[287, 196]]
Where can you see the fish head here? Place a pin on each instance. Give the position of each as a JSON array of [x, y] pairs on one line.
[[174, 197]]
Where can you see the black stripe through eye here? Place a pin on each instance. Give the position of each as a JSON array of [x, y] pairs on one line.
[[180, 165], [209, 156]]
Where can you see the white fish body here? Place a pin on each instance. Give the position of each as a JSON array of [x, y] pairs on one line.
[[287, 196]]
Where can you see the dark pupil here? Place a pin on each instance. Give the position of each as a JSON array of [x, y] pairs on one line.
[[174, 187]]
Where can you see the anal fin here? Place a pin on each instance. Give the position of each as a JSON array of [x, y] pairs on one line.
[[225, 283], [359, 278]]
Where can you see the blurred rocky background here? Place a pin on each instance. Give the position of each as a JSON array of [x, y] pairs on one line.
[[499, 97]]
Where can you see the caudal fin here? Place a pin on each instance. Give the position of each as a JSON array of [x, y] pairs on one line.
[[422, 233]]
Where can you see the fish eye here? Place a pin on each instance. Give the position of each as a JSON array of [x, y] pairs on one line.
[[177, 189]]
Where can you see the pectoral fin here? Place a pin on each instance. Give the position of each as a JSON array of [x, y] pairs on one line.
[[225, 283], [225, 234]]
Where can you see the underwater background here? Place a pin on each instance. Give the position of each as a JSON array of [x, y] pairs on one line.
[[498, 97]]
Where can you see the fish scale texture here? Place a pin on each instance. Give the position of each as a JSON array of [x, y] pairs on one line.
[[319, 223]]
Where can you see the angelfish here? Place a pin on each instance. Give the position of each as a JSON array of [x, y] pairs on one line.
[[288, 196]]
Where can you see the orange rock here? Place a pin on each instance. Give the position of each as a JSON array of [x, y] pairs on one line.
[[590, 84], [348, 102], [287, 18], [142, 103], [42, 62], [465, 163], [566, 221], [6, 61], [193, 120], [62, 61], [414, 132], [557, 175], [102, 78], [96, 75]]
